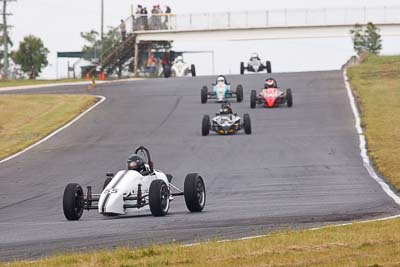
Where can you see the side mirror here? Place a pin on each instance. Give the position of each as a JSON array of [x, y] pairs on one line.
[[109, 174], [151, 165]]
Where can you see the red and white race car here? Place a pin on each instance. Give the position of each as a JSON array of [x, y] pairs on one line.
[[271, 96]]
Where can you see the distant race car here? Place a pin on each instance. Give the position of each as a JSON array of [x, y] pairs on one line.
[[271, 95], [138, 187], [255, 65], [179, 69], [221, 91], [226, 122]]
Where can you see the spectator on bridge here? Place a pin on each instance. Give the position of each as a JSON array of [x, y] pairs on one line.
[[138, 18], [153, 18], [144, 18], [122, 27], [156, 17], [167, 13]]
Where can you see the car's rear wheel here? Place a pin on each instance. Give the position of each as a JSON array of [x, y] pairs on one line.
[[268, 67], [247, 123], [239, 93], [106, 182], [193, 70], [204, 96], [289, 97], [159, 198], [195, 192], [241, 68], [205, 125], [253, 99], [73, 202]]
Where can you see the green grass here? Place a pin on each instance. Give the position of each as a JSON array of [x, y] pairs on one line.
[[377, 84], [12, 83], [25, 119], [362, 244]]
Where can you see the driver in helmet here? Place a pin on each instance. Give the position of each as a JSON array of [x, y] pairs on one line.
[[270, 83], [221, 79], [136, 163], [254, 56], [225, 109], [179, 59]]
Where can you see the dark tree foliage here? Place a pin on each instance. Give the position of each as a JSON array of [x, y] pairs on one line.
[[366, 39], [31, 56]]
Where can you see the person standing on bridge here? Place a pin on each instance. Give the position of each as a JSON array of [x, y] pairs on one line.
[[167, 15], [144, 17], [122, 27]]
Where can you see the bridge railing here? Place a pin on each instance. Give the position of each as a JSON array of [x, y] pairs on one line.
[[274, 18]]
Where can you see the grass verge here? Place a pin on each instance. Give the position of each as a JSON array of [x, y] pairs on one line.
[[13, 83], [25, 119], [376, 84], [360, 244]]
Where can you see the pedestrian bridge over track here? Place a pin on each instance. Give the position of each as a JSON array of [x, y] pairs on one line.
[[269, 24], [272, 24]]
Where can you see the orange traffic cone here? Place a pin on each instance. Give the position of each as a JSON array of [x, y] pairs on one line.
[[102, 76]]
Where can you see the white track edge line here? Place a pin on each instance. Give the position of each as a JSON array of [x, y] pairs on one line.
[[363, 148], [102, 98], [366, 162]]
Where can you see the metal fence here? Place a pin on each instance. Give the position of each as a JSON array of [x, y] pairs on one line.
[[269, 18]]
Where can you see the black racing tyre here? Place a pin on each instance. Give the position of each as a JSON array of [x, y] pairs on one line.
[[193, 70], [73, 202], [204, 94], [268, 67], [253, 99], [239, 93], [159, 198], [241, 68], [205, 125], [289, 97], [247, 124], [106, 182], [195, 192]]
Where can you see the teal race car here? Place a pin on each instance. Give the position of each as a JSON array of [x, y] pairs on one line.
[[221, 91]]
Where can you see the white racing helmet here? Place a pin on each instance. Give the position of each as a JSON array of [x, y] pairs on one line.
[[254, 55], [179, 59], [221, 79]]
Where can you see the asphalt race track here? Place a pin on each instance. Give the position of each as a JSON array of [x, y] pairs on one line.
[[300, 168]]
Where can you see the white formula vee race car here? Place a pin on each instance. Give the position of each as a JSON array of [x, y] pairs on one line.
[[139, 187], [226, 122], [255, 65], [179, 69]]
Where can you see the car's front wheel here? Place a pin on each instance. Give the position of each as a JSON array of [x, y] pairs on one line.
[[239, 93], [159, 198], [268, 67], [204, 94], [73, 202], [193, 70], [247, 123], [289, 97], [195, 192], [241, 68], [253, 99], [205, 125]]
